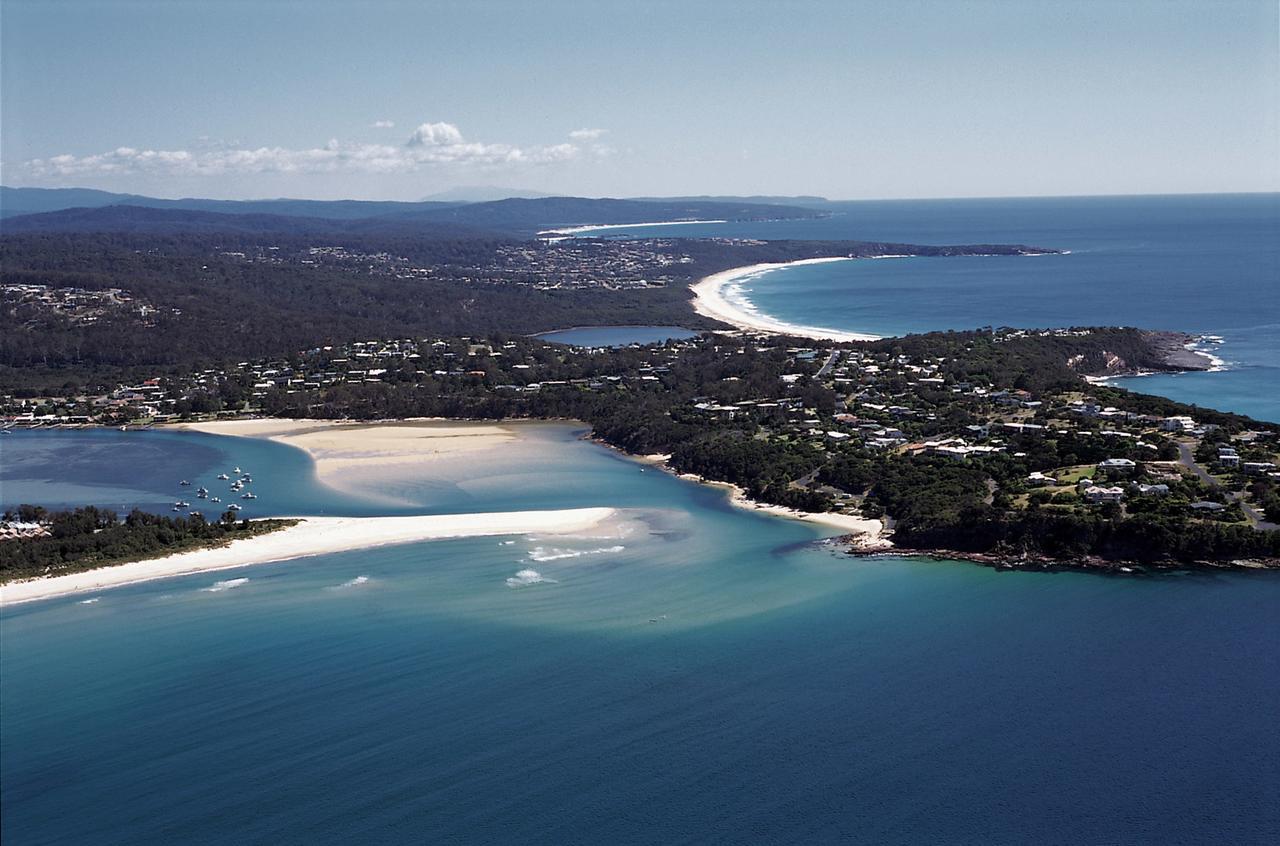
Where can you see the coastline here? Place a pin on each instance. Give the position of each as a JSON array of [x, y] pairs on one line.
[[710, 300], [311, 536], [869, 533], [1179, 352], [570, 231], [1084, 564]]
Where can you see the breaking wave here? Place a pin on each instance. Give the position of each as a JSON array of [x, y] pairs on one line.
[[89, 601], [542, 553], [524, 578], [350, 583], [228, 584]]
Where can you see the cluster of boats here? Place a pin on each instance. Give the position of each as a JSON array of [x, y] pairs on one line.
[[241, 479]]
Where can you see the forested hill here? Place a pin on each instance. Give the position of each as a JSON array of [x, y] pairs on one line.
[[144, 220], [520, 217], [530, 215], [23, 201]]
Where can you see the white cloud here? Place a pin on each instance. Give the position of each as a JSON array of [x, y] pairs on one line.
[[435, 135], [383, 124], [430, 144], [587, 134]]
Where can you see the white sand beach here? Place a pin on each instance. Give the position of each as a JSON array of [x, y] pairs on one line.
[[594, 227], [311, 536], [713, 298], [346, 453]]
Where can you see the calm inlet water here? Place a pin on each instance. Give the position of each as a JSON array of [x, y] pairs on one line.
[[617, 336], [689, 673], [1198, 264]]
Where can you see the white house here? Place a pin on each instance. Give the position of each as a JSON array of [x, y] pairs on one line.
[[1177, 424]]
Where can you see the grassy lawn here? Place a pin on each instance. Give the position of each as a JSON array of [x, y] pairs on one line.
[[1071, 475]]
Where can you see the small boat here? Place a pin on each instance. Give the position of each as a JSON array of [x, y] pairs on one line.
[[223, 476], [215, 499], [246, 478], [175, 508], [248, 496], [184, 483], [122, 428], [194, 514], [236, 470], [233, 507], [182, 503]]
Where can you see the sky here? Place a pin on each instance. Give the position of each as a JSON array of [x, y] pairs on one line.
[[847, 100]]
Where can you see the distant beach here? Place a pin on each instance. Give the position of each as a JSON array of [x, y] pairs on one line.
[[714, 297], [593, 227], [311, 536]]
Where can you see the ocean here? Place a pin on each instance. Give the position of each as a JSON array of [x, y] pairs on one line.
[[704, 675], [1205, 265]]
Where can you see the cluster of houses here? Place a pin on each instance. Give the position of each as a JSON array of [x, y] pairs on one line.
[[78, 305], [546, 264]]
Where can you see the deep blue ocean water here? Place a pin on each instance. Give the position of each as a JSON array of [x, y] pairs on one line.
[[700, 675], [1207, 264]]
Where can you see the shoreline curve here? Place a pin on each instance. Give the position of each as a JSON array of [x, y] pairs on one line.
[[309, 537], [710, 300]]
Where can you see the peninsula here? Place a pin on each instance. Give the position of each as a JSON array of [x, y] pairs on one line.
[[990, 443]]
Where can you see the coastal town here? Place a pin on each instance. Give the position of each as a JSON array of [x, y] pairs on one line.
[[569, 264], [835, 406]]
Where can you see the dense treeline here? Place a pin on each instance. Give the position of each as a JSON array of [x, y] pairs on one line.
[[1144, 538], [93, 537], [521, 216], [211, 309]]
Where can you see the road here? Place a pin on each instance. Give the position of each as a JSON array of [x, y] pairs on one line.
[[1255, 517]]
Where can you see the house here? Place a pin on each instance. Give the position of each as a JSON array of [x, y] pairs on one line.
[[1151, 490], [1038, 479], [1098, 494], [1258, 468], [1116, 465], [1207, 506], [1177, 424]]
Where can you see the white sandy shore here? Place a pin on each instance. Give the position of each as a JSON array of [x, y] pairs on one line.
[[712, 298], [593, 227], [312, 536], [342, 449]]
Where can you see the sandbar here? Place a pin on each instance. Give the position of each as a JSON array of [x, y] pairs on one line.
[[345, 451], [311, 536], [713, 298]]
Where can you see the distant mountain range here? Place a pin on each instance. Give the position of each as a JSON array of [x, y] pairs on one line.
[[87, 210]]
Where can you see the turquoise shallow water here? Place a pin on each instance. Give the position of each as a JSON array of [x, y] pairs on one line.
[[1205, 264], [690, 674]]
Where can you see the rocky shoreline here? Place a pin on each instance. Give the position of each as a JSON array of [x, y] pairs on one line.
[[1174, 348], [1084, 564]]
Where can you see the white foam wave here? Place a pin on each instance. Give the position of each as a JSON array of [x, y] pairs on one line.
[[89, 601], [228, 584], [527, 577], [350, 583], [542, 553]]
